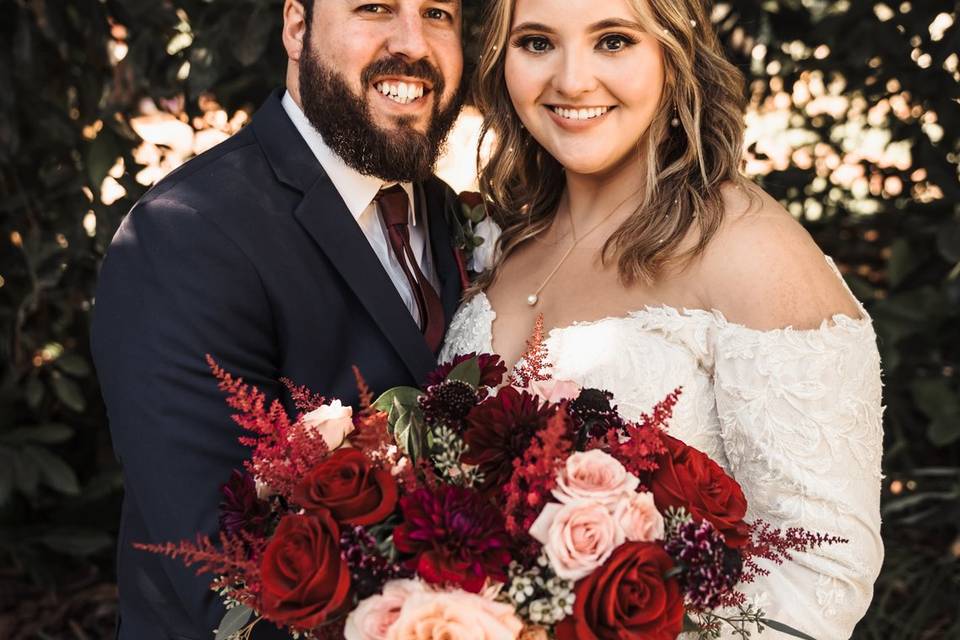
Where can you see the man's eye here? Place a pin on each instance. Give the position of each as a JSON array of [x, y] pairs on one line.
[[373, 8], [534, 44], [614, 42], [438, 14]]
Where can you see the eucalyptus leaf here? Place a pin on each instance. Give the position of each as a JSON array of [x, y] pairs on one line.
[[784, 628], [235, 619], [467, 371]]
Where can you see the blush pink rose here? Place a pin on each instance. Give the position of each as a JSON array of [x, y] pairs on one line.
[[554, 391], [333, 422], [638, 517], [577, 536], [595, 475], [374, 616], [454, 614]]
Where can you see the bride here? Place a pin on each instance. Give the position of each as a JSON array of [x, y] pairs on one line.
[[627, 226]]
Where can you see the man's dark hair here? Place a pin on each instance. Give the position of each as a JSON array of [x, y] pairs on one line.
[[307, 11]]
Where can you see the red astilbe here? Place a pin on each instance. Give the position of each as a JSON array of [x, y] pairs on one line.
[[304, 399], [777, 546], [535, 473], [638, 453], [363, 391], [533, 364], [235, 562], [283, 452]]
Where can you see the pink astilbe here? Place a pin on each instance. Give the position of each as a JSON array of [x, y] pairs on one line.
[[283, 452], [236, 562], [533, 364], [775, 545], [535, 474], [363, 391]]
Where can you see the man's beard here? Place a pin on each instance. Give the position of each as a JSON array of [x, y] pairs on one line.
[[345, 121]]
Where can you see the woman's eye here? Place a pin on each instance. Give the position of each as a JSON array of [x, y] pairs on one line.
[[534, 44], [614, 43]]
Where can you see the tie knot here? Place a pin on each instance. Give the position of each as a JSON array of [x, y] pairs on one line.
[[394, 205]]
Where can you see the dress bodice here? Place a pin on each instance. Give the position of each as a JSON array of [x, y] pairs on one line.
[[793, 415]]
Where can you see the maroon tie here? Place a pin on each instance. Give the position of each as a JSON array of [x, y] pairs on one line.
[[394, 209]]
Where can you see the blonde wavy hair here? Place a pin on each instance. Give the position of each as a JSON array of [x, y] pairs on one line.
[[685, 165]]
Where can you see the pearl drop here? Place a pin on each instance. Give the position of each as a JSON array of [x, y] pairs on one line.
[[532, 299]]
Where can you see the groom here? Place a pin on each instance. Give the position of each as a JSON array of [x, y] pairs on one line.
[[313, 240]]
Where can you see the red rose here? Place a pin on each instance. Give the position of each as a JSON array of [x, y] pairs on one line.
[[471, 198], [688, 478], [305, 581], [350, 487], [628, 597]]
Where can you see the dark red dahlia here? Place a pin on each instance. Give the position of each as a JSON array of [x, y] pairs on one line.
[[240, 509], [499, 430], [448, 403], [455, 535], [710, 568], [596, 415], [492, 369]]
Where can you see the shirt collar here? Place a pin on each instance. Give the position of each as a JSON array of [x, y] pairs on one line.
[[356, 189]]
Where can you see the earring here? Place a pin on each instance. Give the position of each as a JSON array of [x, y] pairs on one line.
[[675, 121]]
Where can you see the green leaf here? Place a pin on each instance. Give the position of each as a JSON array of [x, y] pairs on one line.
[[7, 480], [405, 396], [40, 434], [476, 214], [33, 391], [251, 44], [233, 620], [467, 371], [944, 431], [902, 261], [74, 365], [410, 431], [948, 241], [69, 392], [54, 472], [689, 624], [26, 474], [939, 401], [76, 542], [783, 628]]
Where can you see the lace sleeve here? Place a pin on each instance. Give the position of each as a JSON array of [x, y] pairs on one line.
[[800, 415]]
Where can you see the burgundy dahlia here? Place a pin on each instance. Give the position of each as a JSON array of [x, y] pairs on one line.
[[492, 369], [455, 536], [499, 430], [240, 509], [710, 567], [448, 403], [593, 411]]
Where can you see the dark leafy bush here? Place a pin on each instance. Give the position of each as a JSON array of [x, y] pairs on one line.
[[854, 126]]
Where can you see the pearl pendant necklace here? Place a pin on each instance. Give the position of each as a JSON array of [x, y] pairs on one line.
[[534, 297]]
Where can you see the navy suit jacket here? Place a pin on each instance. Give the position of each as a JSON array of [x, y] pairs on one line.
[[247, 253]]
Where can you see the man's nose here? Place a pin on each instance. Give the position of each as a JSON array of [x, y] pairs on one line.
[[407, 39]]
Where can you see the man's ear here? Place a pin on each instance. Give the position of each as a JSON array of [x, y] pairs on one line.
[[294, 29]]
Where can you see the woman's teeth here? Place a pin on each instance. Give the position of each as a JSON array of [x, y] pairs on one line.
[[402, 92], [580, 114]]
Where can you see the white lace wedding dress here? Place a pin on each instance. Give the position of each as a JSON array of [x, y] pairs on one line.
[[793, 415]]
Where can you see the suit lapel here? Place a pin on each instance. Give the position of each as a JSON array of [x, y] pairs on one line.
[[325, 217]]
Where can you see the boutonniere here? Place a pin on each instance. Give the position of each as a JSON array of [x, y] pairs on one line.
[[475, 235]]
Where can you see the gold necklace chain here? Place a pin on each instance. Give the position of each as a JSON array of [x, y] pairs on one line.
[[534, 297]]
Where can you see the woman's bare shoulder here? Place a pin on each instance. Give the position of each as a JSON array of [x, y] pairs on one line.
[[763, 270]]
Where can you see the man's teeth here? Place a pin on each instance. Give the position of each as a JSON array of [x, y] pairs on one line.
[[402, 92], [580, 114]]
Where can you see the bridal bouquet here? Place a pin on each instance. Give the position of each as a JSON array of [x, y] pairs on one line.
[[480, 510]]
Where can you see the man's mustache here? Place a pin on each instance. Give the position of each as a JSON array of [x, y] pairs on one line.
[[421, 69]]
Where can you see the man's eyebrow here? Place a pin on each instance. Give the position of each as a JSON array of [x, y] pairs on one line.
[[533, 26]]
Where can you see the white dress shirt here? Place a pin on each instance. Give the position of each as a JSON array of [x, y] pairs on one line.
[[358, 192]]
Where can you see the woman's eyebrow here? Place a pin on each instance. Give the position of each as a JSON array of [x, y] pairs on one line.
[[533, 26], [615, 23]]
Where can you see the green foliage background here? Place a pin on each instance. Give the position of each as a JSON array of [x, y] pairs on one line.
[[899, 248]]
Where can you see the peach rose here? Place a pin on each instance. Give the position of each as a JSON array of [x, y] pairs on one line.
[[333, 422], [638, 517], [454, 614], [577, 536], [373, 617], [596, 475], [554, 390]]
